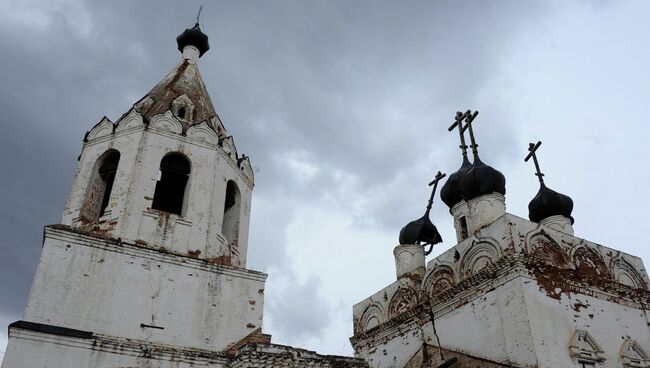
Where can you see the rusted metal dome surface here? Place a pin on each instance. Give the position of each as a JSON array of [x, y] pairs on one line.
[[420, 231], [481, 179], [450, 192], [549, 203]]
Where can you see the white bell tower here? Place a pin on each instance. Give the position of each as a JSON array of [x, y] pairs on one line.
[[149, 259], [167, 175]]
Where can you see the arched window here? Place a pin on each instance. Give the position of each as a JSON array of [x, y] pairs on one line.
[[231, 213], [100, 186], [181, 112], [169, 195]]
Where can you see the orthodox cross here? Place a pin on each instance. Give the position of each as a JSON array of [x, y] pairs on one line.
[[532, 148], [435, 181], [469, 118], [461, 131]]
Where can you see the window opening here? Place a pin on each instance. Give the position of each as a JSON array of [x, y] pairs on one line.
[[100, 186], [231, 213], [463, 228], [181, 112], [107, 173], [173, 175]]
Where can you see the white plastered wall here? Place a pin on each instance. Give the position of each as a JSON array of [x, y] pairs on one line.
[[99, 286]]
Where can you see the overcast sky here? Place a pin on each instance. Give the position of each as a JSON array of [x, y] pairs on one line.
[[343, 107]]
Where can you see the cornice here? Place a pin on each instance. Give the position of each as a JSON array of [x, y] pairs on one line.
[[77, 237]]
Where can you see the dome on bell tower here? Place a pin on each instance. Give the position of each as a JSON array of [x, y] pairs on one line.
[[193, 37]]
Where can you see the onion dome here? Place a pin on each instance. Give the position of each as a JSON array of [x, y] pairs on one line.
[[450, 192], [549, 203], [481, 179], [194, 37], [420, 231]]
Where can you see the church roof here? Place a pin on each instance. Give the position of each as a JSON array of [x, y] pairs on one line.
[[184, 79]]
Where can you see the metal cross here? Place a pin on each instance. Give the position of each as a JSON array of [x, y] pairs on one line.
[[435, 181], [461, 131], [469, 118], [532, 147], [199, 14]]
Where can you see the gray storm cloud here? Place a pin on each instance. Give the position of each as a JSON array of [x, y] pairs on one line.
[[342, 106]]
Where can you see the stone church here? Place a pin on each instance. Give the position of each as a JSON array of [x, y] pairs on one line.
[[512, 292], [147, 267]]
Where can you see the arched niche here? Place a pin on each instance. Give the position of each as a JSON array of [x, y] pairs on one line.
[[543, 247], [371, 317], [100, 186], [624, 273], [168, 122], [439, 280], [170, 192], [231, 214], [479, 255], [131, 120], [589, 263], [202, 132], [183, 109], [403, 300], [103, 128]]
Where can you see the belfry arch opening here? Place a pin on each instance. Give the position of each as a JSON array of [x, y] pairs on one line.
[[169, 195], [231, 214], [100, 186]]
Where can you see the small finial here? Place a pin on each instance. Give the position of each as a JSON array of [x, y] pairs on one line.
[[532, 148]]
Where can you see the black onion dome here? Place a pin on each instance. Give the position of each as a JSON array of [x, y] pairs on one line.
[[548, 203], [450, 192], [481, 179], [193, 36], [419, 231]]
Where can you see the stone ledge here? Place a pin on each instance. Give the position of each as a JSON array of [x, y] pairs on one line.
[[118, 345], [79, 237]]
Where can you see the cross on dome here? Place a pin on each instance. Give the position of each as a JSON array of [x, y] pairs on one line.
[[546, 202], [423, 231], [469, 118], [434, 183], [461, 131], [532, 148]]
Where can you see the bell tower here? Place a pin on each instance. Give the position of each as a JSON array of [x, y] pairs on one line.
[[167, 174], [149, 260]]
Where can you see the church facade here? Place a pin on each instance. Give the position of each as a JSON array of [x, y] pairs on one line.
[[512, 292], [148, 265]]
